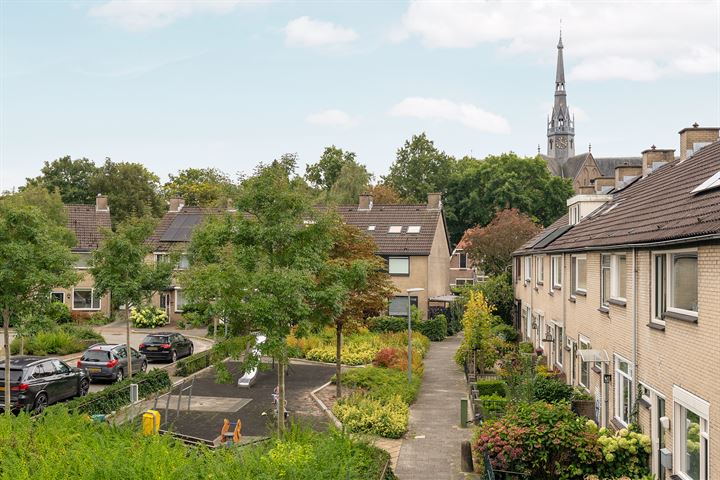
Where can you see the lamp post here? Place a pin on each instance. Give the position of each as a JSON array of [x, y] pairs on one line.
[[409, 292]]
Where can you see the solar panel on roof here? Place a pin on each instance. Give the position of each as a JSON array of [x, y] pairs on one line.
[[181, 228], [552, 236], [710, 183]]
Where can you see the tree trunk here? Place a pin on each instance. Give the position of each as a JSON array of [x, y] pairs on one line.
[[281, 395], [127, 346], [338, 360], [6, 344]]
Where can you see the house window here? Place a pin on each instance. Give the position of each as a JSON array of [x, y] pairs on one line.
[[605, 279], [573, 362], [619, 277], [413, 229], [85, 299], [395, 229], [692, 436], [528, 269], [183, 262], [164, 298], [584, 366], [675, 286], [623, 389], [371, 228], [462, 257], [517, 272], [399, 265], [540, 269], [398, 306], [161, 257], [528, 323], [578, 273], [558, 345], [556, 271], [82, 261], [179, 300], [57, 297]]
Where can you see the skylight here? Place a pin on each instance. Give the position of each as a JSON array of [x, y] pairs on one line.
[[371, 228], [395, 229], [709, 184], [413, 229]]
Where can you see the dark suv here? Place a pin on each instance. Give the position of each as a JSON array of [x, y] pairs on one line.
[[166, 346], [109, 361], [36, 382]]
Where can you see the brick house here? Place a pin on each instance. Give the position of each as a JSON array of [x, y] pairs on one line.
[[623, 295], [462, 268], [88, 223]]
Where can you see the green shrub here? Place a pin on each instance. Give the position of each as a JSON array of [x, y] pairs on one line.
[[97, 319], [117, 395], [492, 387], [526, 347], [625, 453], [387, 418], [383, 383], [387, 323], [493, 405], [507, 332], [198, 361], [551, 390], [57, 341], [435, 329], [149, 317], [58, 312]]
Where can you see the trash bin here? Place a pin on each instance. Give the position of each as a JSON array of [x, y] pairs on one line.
[[150, 422]]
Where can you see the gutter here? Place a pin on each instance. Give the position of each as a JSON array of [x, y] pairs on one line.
[[633, 394]]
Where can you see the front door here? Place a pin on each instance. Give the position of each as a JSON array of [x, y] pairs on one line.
[[165, 302]]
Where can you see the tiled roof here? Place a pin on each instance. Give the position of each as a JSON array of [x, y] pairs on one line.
[[87, 224], [156, 238], [385, 216], [660, 207], [559, 223], [567, 169]]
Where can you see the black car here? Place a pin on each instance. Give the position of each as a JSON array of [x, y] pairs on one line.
[[36, 382], [166, 346]]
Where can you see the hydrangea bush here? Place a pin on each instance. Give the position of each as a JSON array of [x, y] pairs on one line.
[[148, 317]]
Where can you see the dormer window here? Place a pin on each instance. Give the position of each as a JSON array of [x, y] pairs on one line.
[[395, 229], [371, 228], [413, 229]]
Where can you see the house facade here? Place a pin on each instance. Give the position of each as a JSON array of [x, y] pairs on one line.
[[623, 296], [462, 267], [87, 222]]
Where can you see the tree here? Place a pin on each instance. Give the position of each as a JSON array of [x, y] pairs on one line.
[[385, 195], [357, 283], [479, 188], [132, 190], [326, 171], [419, 169], [491, 247], [200, 187], [271, 255], [71, 178], [48, 202], [498, 291], [35, 257], [353, 180], [119, 268]]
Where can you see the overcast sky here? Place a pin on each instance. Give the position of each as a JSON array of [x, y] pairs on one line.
[[175, 84]]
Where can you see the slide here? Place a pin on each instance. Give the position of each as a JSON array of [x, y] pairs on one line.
[[249, 378]]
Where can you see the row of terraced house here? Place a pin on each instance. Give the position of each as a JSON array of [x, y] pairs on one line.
[[622, 295]]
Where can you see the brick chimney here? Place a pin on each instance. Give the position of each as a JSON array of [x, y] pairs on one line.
[[603, 184], [366, 202], [101, 203], [434, 201], [625, 173], [694, 138], [176, 204], [654, 157]]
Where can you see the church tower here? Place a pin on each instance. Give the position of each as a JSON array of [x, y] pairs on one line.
[[560, 125]]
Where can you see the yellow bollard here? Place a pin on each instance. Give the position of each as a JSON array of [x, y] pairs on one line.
[[150, 422]]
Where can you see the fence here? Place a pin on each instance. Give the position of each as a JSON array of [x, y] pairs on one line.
[[491, 474]]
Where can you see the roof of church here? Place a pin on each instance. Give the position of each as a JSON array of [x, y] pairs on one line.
[[568, 169], [607, 165]]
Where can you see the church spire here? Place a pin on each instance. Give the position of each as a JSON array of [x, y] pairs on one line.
[[561, 125], [560, 74]]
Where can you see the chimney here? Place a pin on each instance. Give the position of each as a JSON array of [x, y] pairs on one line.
[[654, 157], [586, 190], [366, 202], [625, 173], [101, 203], [584, 203], [603, 184], [434, 201], [693, 139], [176, 204]]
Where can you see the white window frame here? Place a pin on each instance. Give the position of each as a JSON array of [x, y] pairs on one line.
[[683, 401], [92, 300], [395, 229], [528, 323], [619, 397], [527, 269], [572, 344], [175, 307], [615, 277], [558, 334], [400, 274], [605, 276], [180, 265], [80, 255], [573, 274], [556, 271], [371, 228], [584, 344], [413, 229], [539, 270], [668, 288]]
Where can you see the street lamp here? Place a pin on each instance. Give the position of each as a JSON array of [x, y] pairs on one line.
[[409, 292]]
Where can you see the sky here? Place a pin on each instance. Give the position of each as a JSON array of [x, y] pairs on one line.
[[174, 84]]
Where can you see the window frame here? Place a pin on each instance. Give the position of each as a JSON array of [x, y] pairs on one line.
[[615, 277], [53, 294], [175, 306], [92, 300], [528, 323], [558, 334], [584, 366], [539, 270], [605, 276], [668, 257], [619, 389], [556, 272], [574, 274], [414, 302], [402, 274], [684, 401], [527, 269], [462, 260], [87, 256]]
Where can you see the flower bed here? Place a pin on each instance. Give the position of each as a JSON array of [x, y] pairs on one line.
[[62, 340]]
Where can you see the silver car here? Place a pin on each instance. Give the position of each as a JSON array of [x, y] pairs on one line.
[[109, 361]]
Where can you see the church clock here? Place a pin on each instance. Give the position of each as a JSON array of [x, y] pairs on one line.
[[562, 143]]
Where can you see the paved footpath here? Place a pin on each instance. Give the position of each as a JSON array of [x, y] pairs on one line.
[[431, 448]]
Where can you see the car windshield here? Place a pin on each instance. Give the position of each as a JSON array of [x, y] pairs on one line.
[[155, 339], [15, 375], [95, 356]]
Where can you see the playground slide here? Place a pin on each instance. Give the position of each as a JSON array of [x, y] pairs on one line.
[[249, 378]]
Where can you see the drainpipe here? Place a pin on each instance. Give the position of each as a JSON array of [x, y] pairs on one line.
[[566, 365], [635, 325]]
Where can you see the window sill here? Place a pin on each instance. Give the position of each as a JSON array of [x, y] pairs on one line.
[[550, 292], [567, 349], [595, 369], [617, 302], [604, 310], [537, 289], [656, 326], [399, 274], [617, 424], [582, 293], [571, 299], [557, 287], [680, 316], [644, 403]]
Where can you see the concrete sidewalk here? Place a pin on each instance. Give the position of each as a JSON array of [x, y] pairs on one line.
[[431, 448]]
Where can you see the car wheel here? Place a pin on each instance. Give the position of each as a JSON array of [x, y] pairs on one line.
[[119, 375], [41, 403], [84, 387], [173, 357], [143, 367], [192, 349]]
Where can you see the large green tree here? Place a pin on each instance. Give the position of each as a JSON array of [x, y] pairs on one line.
[[35, 257], [420, 168], [201, 187], [119, 268], [353, 180], [132, 190], [50, 203], [480, 188], [71, 178], [260, 266], [326, 171]]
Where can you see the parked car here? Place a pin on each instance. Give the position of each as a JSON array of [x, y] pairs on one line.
[[166, 346], [109, 361], [36, 382]]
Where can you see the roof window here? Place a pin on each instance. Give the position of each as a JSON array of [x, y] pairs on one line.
[[395, 229], [709, 184], [371, 228], [413, 229]]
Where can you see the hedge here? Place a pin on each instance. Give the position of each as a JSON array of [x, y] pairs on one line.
[[435, 329], [198, 361], [492, 387], [387, 324], [117, 395]]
